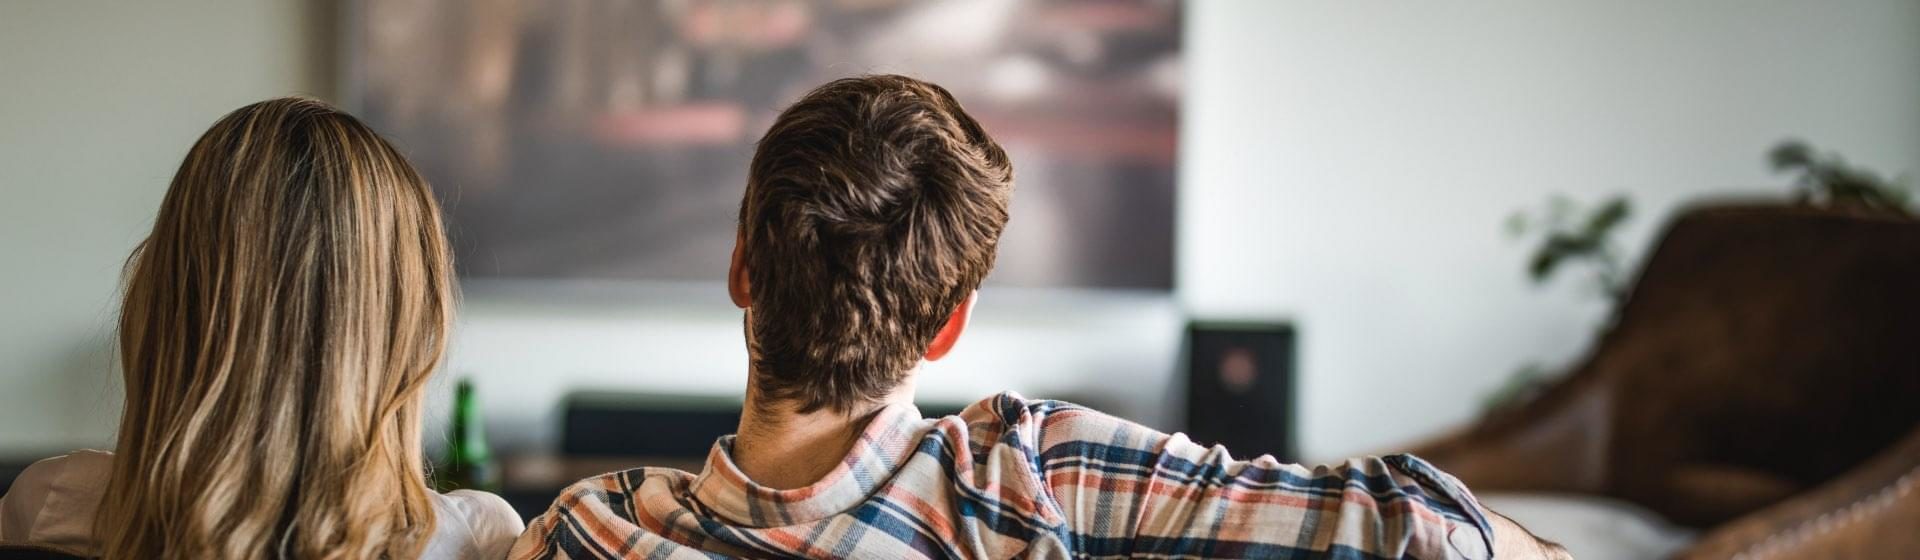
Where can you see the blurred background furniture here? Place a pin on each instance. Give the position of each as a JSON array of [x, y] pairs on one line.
[[1761, 384], [18, 551]]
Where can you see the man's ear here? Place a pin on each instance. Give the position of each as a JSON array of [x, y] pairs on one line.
[[738, 287], [950, 333]]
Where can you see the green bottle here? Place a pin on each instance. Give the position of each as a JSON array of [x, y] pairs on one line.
[[469, 464]]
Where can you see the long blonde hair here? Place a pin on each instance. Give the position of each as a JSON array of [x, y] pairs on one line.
[[279, 326]]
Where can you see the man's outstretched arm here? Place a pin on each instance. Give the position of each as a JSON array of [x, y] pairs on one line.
[[1126, 490]]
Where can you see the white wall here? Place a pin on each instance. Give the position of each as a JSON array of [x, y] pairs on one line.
[[1346, 166], [98, 102], [1349, 164]]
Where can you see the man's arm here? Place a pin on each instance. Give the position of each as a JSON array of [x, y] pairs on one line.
[[1510, 540], [1127, 490]]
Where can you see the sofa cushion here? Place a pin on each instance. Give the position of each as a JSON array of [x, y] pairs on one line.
[[1592, 528]]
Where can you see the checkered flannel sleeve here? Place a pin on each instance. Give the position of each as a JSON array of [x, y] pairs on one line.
[[1129, 491]]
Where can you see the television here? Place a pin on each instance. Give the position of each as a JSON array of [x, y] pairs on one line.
[[609, 140]]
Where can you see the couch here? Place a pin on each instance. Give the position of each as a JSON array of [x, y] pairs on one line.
[[1759, 385]]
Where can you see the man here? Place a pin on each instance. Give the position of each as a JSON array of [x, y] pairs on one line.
[[872, 212]]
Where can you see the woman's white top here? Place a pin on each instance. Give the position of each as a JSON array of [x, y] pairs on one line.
[[52, 504]]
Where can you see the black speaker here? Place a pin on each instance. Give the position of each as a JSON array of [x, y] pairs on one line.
[[1240, 387]]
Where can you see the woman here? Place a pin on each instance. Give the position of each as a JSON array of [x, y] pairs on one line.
[[279, 327]]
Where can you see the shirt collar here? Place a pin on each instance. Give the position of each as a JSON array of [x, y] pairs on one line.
[[729, 496]]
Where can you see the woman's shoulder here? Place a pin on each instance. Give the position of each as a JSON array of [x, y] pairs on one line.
[[474, 504], [81, 460], [486, 520], [82, 470], [53, 500]]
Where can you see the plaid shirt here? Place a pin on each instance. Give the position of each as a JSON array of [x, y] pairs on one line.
[[1015, 477]]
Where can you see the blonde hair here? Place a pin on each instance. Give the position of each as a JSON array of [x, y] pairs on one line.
[[279, 325]]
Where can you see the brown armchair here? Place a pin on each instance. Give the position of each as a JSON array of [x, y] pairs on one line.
[[1761, 383]]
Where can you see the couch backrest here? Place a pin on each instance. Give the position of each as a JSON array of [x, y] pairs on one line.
[[1777, 340]]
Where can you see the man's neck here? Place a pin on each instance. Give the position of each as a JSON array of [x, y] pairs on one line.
[[782, 448]]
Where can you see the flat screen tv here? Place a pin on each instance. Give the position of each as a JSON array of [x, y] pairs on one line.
[[609, 140]]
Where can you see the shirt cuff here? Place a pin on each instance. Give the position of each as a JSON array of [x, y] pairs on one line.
[[1463, 504]]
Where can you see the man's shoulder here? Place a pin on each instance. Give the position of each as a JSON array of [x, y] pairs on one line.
[[618, 496], [1046, 425], [607, 507], [625, 481], [1012, 408]]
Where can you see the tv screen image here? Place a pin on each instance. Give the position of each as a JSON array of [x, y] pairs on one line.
[[609, 140]]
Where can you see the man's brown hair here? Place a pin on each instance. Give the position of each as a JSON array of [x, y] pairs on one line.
[[873, 208]]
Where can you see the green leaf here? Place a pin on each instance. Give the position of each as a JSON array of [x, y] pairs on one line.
[[1790, 154]]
